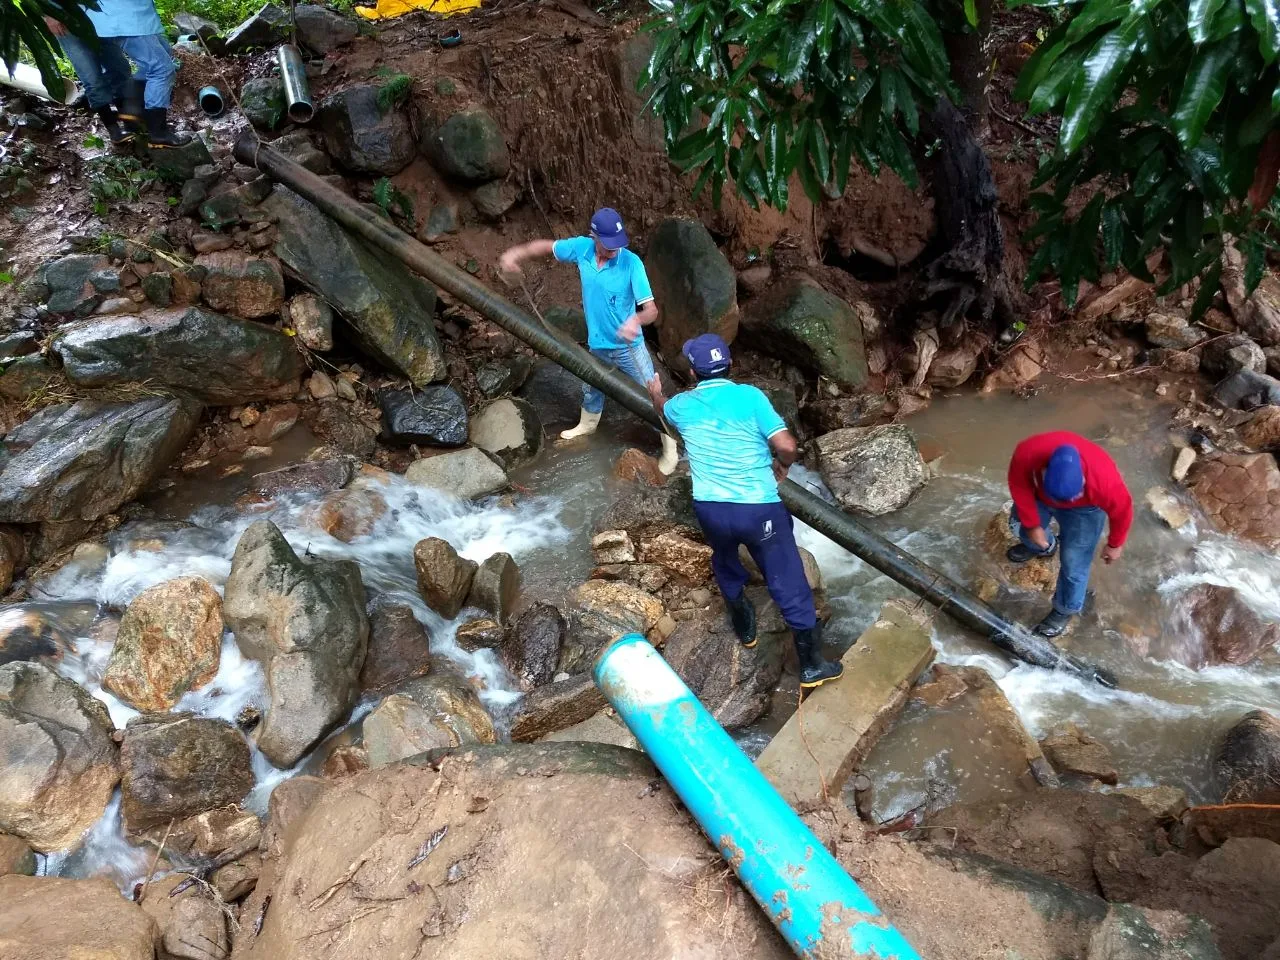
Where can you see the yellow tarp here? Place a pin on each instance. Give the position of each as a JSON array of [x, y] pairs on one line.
[[387, 9]]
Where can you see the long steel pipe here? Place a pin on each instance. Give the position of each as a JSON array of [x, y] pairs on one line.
[[856, 537], [809, 897], [297, 91]]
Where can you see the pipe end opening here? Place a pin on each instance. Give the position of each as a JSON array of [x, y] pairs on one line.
[[301, 112]]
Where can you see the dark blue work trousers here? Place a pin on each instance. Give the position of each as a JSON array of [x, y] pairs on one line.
[[766, 530]]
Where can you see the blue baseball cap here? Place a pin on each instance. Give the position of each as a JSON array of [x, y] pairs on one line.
[[1063, 475], [707, 354], [606, 226]]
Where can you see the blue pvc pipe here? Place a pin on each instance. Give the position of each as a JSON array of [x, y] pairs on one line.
[[812, 901]]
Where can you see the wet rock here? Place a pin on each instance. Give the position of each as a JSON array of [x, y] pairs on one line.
[[826, 415], [360, 136], [1039, 574], [344, 761], [1163, 803], [236, 204], [1172, 332], [502, 377], [244, 286], [556, 394], [1133, 933], [1246, 765], [482, 634], [169, 642], [1262, 431], [13, 555], [1227, 628], [176, 765], [83, 460], [342, 427], [735, 684], [319, 476], [390, 310], [496, 586], [1073, 751], [70, 289], [19, 344], [299, 148], [289, 801], [1168, 508], [312, 320], [264, 29], [1240, 494], [16, 857], [613, 546], [274, 422], [953, 368], [439, 711], [799, 322], [873, 470], [1246, 389], [556, 706], [217, 359], [600, 611], [532, 649], [68, 767], [214, 832], [350, 514], [432, 416], [494, 199], [1022, 365], [320, 386], [179, 164], [192, 926], [465, 474], [683, 557], [646, 512], [1224, 356], [399, 647], [262, 102], [637, 466], [444, 578], [509, 430], [51, 917], [321, 30], [468, 145], [571, 321], [694, 285], [307, 623], [25, 377], [1182, 464], [442, 220]]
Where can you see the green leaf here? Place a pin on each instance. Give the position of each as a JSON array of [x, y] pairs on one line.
[[971, 12], [1038, 64], [1265, 15], [1096, 13], [1200, 17], [1203, 90], [808, 180], [820, 153], [1229, 19], [1113, 231], [796, 53], [844, 157], [1210, 284], [1092, 89], [1057, 82], [826, 27]]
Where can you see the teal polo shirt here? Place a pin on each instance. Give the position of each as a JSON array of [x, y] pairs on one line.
[[610, 294], [125, 18], [726, 428]]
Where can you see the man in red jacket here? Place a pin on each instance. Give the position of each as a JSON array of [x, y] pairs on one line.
[[1062, 476]]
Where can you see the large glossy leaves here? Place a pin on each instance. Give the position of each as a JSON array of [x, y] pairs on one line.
[[1202, 91], [1265, 16], [1094, 86], [1200, 14]]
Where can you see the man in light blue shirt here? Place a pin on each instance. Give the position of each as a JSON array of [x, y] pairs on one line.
[[618, 303], [739, 450]]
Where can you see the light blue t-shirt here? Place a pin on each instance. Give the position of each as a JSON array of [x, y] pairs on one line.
[[610, 294], [125, 18], [726, 428]]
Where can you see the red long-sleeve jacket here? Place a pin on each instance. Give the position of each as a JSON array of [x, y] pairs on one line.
[[1103, 485]]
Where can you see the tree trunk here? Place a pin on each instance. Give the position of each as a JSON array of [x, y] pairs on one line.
[[971, 67]]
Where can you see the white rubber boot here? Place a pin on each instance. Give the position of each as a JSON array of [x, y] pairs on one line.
[[670, 455], [586, 426]]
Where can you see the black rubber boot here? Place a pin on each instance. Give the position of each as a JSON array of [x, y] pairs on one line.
[[1054, 624], [743, 617], [814, 670], [129, 110], [1021, 553], [111, 123], [159, 133]]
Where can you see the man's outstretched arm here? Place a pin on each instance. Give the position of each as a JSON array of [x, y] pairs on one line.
[[512, 257]]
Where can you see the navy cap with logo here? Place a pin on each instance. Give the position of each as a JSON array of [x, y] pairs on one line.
[[708, 354], [606, 226]]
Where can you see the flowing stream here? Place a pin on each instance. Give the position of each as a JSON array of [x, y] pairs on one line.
[[1161, 724]]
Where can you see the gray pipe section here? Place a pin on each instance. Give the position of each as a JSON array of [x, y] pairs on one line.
[[297, 92], [854, 536]]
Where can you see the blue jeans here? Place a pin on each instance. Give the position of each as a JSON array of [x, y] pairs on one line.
[[633, 360], [1079, 530], [104, 72], [154, 58], [766, 530]]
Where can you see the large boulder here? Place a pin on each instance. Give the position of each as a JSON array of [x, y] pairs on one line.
[[52, 918], [435, 712], [645, 512], [399, 646], [218, 359], [600, 611], [509, 430], [306, 622], [264, 29], [1172, 332], [531, 650], [177, 765], [433, 416], [58, 765], [694, 285], [80, 461], [191, 922], [1223, 356], [240, 284], [1246, 389], [556, 706], [801, 323], [169, 642], [69, 282], [464, 473], [873, 470], [1240, 493], [322, 30], [361, 136], [262, 102], [468, 145], [390, 309], [1223, 627], [1246, 765], [444, 578], [735, 684], [16, 857], [496, 586]]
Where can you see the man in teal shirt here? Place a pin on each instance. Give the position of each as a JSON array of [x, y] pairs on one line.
[[739, 450], [618, 303]]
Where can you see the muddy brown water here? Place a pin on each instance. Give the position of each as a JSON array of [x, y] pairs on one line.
[[1161, 725]]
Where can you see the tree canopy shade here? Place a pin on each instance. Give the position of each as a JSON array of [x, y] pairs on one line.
[[22, 25], [1170, 115]]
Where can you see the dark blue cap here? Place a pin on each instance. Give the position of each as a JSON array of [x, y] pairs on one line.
[[1063, 475], [707, 354], [606, 226]]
